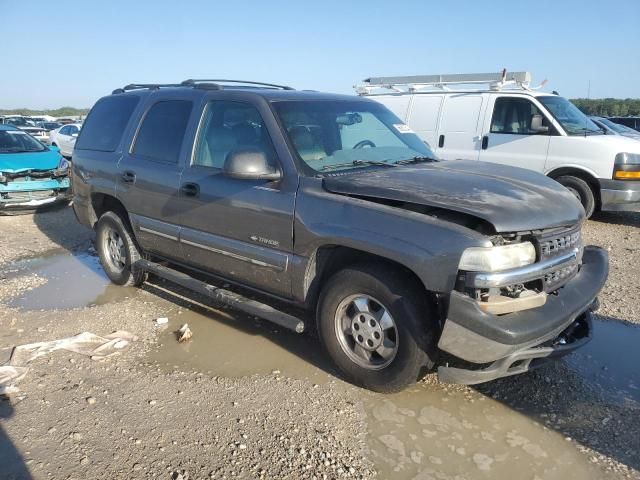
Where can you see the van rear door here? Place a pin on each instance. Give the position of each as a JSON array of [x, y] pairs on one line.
[[460, 127]]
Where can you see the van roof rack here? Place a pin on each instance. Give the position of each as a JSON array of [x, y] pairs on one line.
[[414, 83], [208, 84]]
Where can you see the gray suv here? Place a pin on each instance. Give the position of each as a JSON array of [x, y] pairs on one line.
[[327, 211]]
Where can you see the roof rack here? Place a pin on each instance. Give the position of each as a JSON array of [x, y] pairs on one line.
[[413, 83], [208, 84], [195, 82]]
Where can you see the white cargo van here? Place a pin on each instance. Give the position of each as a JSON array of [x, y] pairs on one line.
[[500, 118]]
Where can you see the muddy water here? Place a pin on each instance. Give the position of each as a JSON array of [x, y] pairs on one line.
[[610, 360], [73, 281], [425, 433]]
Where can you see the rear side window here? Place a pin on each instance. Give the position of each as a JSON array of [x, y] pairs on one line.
[[103, 128], [162, 131]]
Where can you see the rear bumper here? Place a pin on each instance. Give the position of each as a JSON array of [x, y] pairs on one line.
[[503, 340], [620, 195]]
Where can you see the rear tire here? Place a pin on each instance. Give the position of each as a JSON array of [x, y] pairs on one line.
[[377, 326], [581, 190], [117, 251]]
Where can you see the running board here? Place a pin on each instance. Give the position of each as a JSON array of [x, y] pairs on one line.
[[222, 296]]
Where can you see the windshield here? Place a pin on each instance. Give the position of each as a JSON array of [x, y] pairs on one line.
[[616, 127], [341, 135], [20, 122], [570, 117], [17, 141]]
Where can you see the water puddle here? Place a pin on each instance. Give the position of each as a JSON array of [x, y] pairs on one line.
[[73, 281], [427, 433], [231, 344], [610, 360]]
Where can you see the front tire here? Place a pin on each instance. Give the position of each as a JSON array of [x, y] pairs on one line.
[[377, 326], [581, 190], [117, 251]]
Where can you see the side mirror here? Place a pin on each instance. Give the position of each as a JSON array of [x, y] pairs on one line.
[[249, 164], [536, 124], [53, 148]]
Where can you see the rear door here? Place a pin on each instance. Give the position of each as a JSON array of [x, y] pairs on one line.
[[460, 127], [239, 229], [508, 137], [149, 173]]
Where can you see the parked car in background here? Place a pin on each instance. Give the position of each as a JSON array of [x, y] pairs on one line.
[[330, 203], [32, 175], [65, 138], [27, 125], [498, 118], [631, 122], [48, 126], [612, 128]]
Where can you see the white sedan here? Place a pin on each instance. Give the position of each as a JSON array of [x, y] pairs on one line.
[[65, 138]]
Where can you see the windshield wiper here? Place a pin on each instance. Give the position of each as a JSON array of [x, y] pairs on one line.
[[416, 159], [585, 131], [358, 163]]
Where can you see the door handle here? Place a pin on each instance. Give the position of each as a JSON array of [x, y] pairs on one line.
[[441, 141], [485, 142], [129, 177], [190, 189]]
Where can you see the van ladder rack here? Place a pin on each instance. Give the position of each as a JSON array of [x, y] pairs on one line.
[[413, 83]]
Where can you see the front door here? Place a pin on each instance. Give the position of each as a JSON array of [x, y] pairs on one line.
[[149, 176], [241, 229], [509, 138]]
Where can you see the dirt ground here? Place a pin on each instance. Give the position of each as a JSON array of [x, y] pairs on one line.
[[243, 399]]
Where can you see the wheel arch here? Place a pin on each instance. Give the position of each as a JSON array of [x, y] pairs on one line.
[[103, 202], [581, 173], [327, 260]]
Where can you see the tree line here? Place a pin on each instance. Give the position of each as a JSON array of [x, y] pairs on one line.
[[608, 107], [58, 112]]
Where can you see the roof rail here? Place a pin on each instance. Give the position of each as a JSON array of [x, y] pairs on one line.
[[195, 82], [412, 83], [208, 84]]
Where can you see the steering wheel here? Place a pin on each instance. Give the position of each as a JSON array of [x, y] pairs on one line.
[[364, 143]]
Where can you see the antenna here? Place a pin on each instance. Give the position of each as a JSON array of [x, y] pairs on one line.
[[585, 116]]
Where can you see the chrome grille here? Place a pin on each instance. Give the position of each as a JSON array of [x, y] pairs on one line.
[[556, 243]]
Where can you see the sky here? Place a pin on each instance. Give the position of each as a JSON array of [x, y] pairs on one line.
[[72, 52]]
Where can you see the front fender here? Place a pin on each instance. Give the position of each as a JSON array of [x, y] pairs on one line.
[[429, 247]]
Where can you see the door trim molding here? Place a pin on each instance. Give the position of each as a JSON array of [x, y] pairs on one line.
[[230, 254]]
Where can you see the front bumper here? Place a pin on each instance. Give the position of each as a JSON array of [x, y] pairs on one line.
[[619, 195], [516, 339], [34, 194]]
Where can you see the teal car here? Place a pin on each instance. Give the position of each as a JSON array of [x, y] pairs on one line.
[[32, 175]]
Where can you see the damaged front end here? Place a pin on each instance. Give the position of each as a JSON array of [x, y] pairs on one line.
[[34, 189], [527, 299]]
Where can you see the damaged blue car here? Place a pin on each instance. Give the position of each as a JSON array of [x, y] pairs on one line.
[[32, 175]]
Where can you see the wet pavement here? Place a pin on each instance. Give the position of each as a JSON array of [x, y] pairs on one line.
[[426, 432]]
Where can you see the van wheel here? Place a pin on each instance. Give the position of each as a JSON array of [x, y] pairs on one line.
[[117, 251], [581, 190], [377, 326]]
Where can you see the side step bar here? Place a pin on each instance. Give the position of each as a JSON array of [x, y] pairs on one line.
[[222, 296]]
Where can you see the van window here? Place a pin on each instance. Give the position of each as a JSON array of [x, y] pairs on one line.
[[513, 116], [162, 131], [229, 126], [103, 128]]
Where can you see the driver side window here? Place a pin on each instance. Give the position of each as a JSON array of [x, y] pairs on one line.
[[513, 116], [227, 127]]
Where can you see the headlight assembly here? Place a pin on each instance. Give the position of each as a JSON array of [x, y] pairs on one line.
[[496, 259], [627, 166]]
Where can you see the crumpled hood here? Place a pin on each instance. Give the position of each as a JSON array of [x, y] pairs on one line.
[[19, 162], [511, 199]]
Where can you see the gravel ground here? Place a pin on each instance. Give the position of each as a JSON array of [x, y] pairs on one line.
[[131, 417]]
